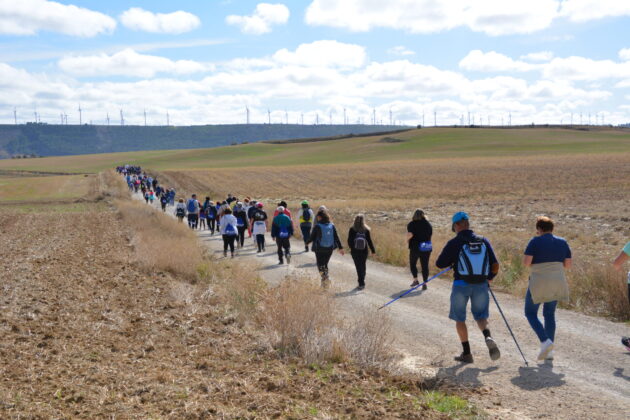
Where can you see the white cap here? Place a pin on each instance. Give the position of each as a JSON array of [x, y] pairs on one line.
[[280, 209]]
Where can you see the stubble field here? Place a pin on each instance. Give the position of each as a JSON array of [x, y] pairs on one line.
[[585, 194]]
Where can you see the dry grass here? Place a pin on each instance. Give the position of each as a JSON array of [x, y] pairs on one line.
[[301, 320], [586, 195], [160, 242]]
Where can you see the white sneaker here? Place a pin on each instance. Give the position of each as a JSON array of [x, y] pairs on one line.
[[550, 355], [545, 348]]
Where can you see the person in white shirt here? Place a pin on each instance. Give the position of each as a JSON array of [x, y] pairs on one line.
[[229, 231]]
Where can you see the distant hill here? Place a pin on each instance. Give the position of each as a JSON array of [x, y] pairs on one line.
[[59, 140]]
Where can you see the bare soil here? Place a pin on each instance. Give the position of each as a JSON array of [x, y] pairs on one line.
[[85, 333]]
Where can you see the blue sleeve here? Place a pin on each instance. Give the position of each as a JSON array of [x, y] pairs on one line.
[[531, 248]]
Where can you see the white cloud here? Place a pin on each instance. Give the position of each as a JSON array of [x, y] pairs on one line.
[[261, 21], [585, 10], [127, 63], [477, 60], [400, 50], [494, 17], [624, 54], [323, 54], [581, 68], [538, 56], [566, 68], [28, 17], [169, 23]]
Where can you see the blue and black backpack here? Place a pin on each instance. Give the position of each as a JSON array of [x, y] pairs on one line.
[[473, 264]]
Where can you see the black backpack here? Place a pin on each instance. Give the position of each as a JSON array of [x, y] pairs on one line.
[[306, 215], [360, 241]]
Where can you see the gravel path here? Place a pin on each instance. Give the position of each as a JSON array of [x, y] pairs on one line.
[[589, 378]]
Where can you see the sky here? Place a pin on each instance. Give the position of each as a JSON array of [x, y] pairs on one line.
[[401, 61]]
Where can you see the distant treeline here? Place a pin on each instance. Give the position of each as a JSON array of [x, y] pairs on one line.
[[56, 140]]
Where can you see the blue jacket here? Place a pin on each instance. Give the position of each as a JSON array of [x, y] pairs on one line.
[[281, 220], [450, 254]]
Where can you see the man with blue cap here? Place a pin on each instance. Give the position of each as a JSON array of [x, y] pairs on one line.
[[474, 264]]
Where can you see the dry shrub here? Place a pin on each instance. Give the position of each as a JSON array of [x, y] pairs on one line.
[[599, 290], [238, 285], [160, 242], [369, 340], [302, 320]]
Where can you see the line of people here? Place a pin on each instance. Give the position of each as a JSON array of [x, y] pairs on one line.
[[471, 257]]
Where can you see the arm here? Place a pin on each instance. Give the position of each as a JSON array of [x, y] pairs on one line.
[[337, 241], [567, 263], [620, 260], [527, 260], [494, 263], [447, 256], [409, 236], [314, 235]]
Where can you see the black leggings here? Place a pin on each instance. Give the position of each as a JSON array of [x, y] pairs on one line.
[[260, 241], [211, 225], [360, 261], [283, 244], [228, 241], [414, 256], [322, 258], [241, 235]]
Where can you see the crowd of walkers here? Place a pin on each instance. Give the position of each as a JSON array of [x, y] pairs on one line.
[[469, 255]]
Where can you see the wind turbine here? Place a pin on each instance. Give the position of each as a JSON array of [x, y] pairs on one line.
[[80, 115], [345, 121], [168, 119], [247, 114], [15, 115], [122, 119], [108, 119], [269, 115], [145, 117]]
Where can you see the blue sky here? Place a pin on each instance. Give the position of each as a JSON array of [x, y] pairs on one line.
[[201, 62]]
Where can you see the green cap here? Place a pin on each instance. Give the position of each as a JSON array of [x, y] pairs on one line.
[[305, 202]]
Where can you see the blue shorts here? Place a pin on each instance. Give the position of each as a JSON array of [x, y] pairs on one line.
[[479, 301]]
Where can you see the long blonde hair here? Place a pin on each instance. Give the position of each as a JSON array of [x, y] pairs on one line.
[[359, 224]]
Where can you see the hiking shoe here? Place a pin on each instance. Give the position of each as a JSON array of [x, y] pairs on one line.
[[545, 347], [280, 262], [306, 248], [626, 342], [288, 258], [493, 349], [549, 356], [415, 283], [361, 287], [424, 287], [225, 254], [464, 358]]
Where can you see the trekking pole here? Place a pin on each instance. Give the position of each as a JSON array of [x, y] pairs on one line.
[[415, 287], [508, 326]]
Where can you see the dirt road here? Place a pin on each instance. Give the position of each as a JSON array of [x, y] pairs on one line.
[[589, 378]]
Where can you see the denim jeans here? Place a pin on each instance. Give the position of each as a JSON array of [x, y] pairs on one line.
[[548, 331]]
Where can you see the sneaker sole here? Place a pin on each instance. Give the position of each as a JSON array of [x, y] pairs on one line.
[[493, 349]]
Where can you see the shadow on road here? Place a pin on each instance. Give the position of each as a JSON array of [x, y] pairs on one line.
[[467, 376], [619, 374], [538, 377], [306, 265], [416, 292], [352, 292]]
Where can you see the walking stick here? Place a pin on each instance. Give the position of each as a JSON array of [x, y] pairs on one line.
[[508, 325], [415, 287]]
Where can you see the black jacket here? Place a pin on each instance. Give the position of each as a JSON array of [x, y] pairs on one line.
[[422, 232], [351, 237]]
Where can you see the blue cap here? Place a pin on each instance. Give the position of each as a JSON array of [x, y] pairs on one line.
[[459, 216]]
